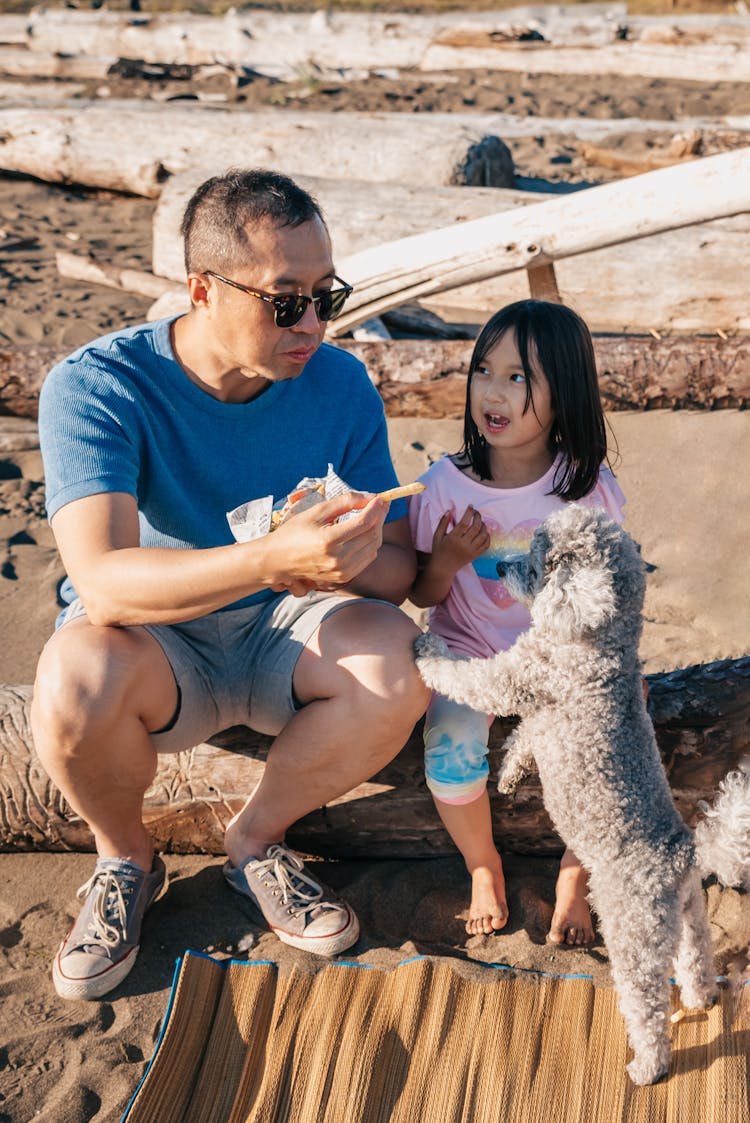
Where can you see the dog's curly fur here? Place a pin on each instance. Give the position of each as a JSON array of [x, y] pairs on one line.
[[575, 679]]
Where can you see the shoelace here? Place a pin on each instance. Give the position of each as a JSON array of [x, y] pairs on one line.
[[109, 903], [289, 873]]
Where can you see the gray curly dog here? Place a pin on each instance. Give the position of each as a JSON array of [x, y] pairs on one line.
[[575, 680]]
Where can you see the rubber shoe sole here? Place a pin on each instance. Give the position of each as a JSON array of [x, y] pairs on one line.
[[95, 986]]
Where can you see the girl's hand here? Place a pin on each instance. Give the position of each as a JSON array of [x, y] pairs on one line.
[[467, 540]]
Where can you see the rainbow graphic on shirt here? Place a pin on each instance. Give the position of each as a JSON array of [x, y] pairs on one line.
[[506, 546]]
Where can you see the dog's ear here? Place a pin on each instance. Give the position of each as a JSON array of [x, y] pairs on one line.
[[574, 600]]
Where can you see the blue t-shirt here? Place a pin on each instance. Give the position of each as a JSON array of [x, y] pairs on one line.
[[120, 415]]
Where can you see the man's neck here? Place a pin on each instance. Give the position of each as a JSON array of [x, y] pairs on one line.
[[205, 368]]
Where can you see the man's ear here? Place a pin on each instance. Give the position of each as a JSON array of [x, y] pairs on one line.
[[198, 289]]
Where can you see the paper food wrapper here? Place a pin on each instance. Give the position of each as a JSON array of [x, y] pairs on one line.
[[257, 517]]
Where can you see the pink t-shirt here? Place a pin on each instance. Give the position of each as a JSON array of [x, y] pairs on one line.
[[479, 616]]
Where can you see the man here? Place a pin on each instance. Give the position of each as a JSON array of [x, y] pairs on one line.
[[173, 631]]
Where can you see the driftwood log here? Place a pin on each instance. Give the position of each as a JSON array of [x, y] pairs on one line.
[[701, 715], [605, 285], [79, 145], [440, 260], [80, 267], [359, 214], [554, 40], [17, 434], [708, 62], [635, 373], [418, 378], [37, 65]]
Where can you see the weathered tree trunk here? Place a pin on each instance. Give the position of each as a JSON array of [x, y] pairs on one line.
[[80, 268], [359, 214], [553, 41], [606, 286], [440, 260], [709, 62], [702, 719], [635, 373], [418, 379], [151, 141]]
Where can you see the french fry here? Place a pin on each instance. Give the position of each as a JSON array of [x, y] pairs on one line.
[[400, 492]]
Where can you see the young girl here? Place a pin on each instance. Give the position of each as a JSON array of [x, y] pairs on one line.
[[534, 438]]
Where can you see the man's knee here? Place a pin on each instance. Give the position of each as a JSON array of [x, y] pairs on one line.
[[85, 677], [366, 650]]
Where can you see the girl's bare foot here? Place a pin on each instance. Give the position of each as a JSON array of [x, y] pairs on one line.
[[488, 911], [571, 921]]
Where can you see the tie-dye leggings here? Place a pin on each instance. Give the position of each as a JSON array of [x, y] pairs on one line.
[[455, 750]]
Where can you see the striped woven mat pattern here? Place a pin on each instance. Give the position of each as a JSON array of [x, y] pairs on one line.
[[243, 1042]]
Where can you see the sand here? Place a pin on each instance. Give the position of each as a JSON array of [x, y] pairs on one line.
[[686, 477]]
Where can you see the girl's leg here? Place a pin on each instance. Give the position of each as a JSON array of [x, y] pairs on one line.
[[456, 772], [470, 827], [571, 921]]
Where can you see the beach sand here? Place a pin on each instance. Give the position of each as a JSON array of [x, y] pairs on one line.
[[686, 478]]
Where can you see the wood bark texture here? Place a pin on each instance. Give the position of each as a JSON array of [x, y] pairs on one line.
[[79, 145], [606, 285], [418, 378], [545, 39], [701, 715], [437, 261]]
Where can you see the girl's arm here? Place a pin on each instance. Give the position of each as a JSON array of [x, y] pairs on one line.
[[451, 550]]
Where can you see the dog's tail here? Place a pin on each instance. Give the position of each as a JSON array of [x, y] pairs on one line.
[[722, 838]]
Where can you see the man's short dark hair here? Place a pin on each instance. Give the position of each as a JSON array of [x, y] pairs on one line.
[[215, 222]]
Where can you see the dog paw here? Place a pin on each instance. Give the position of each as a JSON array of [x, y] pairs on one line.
[[431, 653], [507, 785], [428, 645], [649, 1069], [696, 997]]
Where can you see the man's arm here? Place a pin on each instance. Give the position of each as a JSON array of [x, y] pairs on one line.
[[122, 583]]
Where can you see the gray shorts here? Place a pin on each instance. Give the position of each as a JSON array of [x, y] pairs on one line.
[[236, 667]]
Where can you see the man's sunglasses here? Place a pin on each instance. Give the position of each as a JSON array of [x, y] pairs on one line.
[[290, 307]]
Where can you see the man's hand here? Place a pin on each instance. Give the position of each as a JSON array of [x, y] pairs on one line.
[[314, 551]]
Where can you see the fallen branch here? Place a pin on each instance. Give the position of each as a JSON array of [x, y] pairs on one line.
[[440, 260], [419, 379], [549, 38], [80, 268], [628, 165], [702, 722]]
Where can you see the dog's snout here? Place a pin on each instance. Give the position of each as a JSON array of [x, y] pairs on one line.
[[514, 566]]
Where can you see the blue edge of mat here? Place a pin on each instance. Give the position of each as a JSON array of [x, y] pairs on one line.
[[224, 963]]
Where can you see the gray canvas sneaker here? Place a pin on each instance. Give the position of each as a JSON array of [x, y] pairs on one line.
[[293, 905], [100, 948]]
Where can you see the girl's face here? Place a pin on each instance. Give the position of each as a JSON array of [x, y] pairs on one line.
[[497, 398]]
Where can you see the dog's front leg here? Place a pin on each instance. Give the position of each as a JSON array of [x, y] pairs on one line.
[[487, 685]]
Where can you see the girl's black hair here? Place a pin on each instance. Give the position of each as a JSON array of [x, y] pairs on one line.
[[558, 340]]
